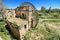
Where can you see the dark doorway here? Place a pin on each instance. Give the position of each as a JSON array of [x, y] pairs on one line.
[[31, 23], [25, 26], [23, 16]]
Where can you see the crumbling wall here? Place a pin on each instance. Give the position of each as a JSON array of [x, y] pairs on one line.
[[14, 30], [9, 13]]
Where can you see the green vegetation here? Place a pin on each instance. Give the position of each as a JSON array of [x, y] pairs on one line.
[[49, 13], [51, 20], [0, 13], [44, 32], [14, 25], [4, 34], [1, 20]]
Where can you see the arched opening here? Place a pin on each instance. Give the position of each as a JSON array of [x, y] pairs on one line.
[[10, 13], [5, 18], [23, 16], [25, 26]]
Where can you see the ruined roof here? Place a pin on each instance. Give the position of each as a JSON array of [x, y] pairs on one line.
[[27, 4]]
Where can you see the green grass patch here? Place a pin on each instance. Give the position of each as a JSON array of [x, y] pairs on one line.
[[4, 36], [51, 20], [3, 32], [48, 33], [1, 20]]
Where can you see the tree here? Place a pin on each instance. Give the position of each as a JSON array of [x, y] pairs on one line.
[[49, 10], [43, 9], [1, 8], [1, 5]]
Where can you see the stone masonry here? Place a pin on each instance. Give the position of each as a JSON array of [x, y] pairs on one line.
[[21, 19]]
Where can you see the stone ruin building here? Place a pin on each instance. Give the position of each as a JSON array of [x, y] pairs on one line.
[[21, 19]]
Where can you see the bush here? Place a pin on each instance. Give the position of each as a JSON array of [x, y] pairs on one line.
[[47, 32], [1, 20], [3, 32]]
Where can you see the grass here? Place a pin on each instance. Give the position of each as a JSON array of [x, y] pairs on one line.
[[14, 25], [51, 20], [43, 32], [1, 20], [49, 15], [4, 34]]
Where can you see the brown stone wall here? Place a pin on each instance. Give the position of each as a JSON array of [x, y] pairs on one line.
[[14, 31], [9, 13], [22, 10]]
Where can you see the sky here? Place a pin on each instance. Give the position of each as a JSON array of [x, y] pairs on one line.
[[36, 3]]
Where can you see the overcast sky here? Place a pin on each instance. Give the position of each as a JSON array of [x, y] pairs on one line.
[[36, 3]]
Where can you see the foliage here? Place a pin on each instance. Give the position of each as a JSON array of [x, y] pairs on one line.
[[44, 32], [43, 9], [14, 25], [1, 20], [3, 32], [51, 21], [50, 13]]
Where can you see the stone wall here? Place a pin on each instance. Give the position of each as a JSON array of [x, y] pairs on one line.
[[9, 13], [13, 29], [20, 30]]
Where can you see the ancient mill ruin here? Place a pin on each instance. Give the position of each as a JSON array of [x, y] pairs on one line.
[[21, 19]]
